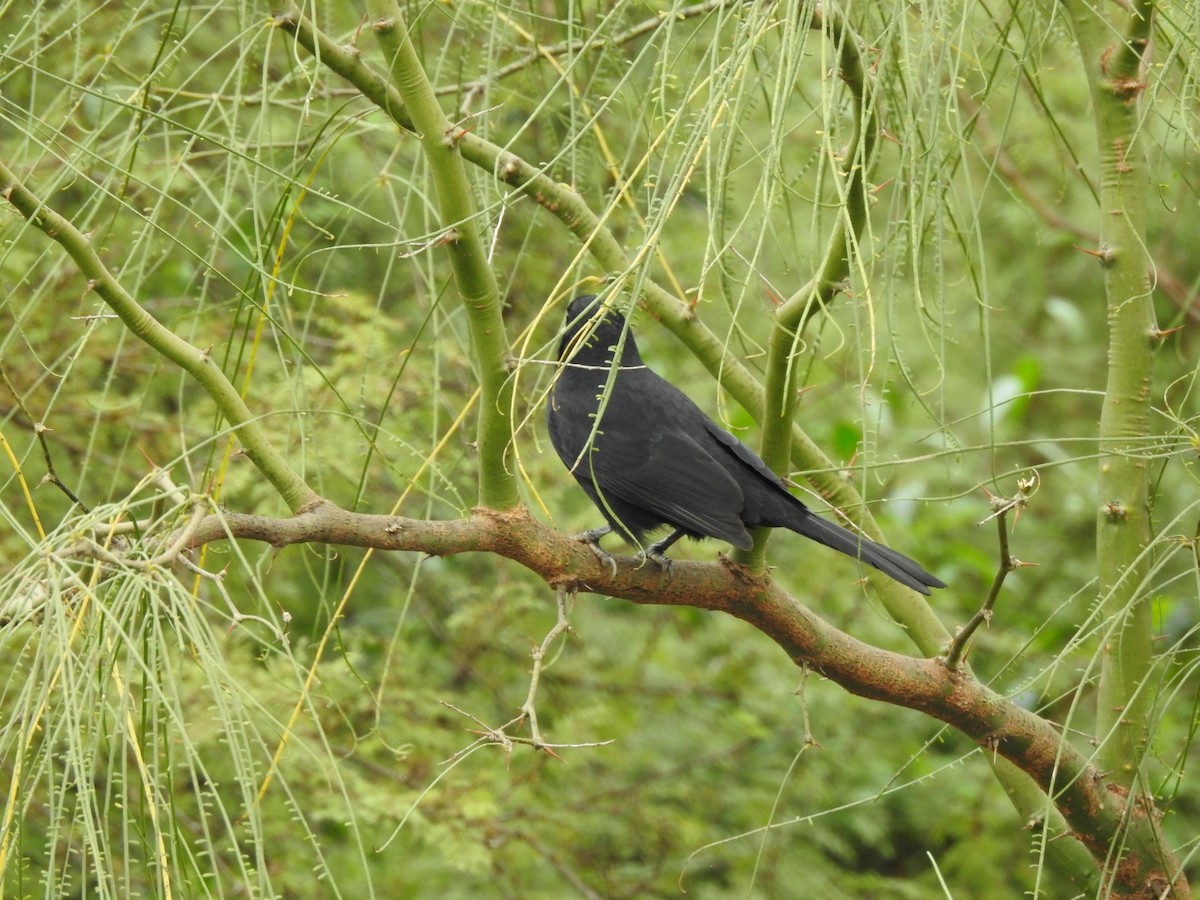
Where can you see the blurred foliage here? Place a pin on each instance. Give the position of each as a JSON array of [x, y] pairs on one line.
[[266, 212]]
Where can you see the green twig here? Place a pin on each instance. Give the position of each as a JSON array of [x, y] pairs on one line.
[[468, 257], [781, 396], [957, 650], [196, 362]]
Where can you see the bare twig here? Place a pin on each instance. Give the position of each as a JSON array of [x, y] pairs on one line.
[[958, 646], [555, 859], [40, 429], [561, 626], [180, 540], [489, 735], [1001, 507], [809, 740]]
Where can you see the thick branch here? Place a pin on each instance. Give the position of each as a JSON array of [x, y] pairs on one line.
[[472, 271], [1113, 66], [1123, 514], [1094, 812]]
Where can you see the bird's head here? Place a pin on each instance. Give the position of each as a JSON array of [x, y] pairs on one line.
[[592, 331]]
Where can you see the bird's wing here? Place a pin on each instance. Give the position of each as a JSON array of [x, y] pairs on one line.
[[744, 453], [671, 475]]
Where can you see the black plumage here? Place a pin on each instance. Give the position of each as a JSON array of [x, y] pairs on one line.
[[654, 458]]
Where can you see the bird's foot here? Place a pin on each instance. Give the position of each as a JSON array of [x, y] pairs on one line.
[[592, 539], [660, 559]]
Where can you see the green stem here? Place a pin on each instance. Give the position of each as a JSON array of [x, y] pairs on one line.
[[472, 272], [1113, 65], [781, 395], [1123, 517], [196, 362]]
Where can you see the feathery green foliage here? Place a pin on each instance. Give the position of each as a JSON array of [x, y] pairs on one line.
[[910, 246]]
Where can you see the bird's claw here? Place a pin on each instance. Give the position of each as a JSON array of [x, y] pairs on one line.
[[592, 539], [661, 560]]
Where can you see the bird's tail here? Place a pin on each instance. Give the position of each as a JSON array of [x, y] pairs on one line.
[[885, 559]]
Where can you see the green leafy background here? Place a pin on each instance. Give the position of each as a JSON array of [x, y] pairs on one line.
[[265, 211]]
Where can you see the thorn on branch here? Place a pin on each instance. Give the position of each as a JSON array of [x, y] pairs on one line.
[[1114, 511], [1106, 255], [1158, 335], [1128, 88], [453, 135], [352, 47]]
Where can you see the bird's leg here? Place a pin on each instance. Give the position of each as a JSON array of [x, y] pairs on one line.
[[591, 537], [657, 552]]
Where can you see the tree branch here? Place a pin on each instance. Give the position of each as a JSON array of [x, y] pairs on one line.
[[1113, 66], [472, 271], [196, 362], [1095, 812], [1123, 513]]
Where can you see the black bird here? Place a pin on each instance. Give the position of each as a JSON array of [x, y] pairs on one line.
[[654, 458]]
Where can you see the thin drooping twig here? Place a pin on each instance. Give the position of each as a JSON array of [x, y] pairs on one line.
[[39, 430], [529, 707], [471, 89], [500, 735]]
